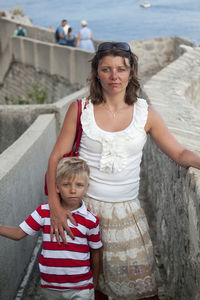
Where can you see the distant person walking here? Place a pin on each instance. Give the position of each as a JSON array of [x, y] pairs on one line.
[[85, 38], [20, 31]]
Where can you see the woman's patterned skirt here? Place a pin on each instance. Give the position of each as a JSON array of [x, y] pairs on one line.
[[128, 269]]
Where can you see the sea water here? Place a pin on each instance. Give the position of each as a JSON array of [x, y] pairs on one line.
[[117, 20]]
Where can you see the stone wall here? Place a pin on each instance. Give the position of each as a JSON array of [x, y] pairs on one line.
[[173, 192], [15, 119], [156, 54], [61, 69], [40, 51], [7, 28], [21, 190], [23, 84], [69, 62]]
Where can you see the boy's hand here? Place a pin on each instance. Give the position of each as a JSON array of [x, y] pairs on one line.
[[94, 260], [59, 224]]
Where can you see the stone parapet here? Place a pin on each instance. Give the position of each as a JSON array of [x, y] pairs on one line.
[[15, 119], [21, 190], [173, 192], [53, 59], [156, 54]]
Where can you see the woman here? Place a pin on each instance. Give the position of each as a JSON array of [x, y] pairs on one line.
[[85, 38], [115, 126]]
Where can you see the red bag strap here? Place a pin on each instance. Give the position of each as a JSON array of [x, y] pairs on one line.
[[78, 127]]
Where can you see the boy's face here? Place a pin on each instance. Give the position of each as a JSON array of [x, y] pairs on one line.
[[72, 190]]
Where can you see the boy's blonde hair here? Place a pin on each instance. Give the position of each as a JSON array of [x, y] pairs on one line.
[[69, 167]]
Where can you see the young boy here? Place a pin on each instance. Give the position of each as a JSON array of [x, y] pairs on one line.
[[65, 269]]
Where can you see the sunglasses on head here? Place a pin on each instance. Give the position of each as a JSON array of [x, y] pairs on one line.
[[110, 45]]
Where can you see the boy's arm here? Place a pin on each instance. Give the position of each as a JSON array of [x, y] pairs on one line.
[[95, 254], [14, 233]]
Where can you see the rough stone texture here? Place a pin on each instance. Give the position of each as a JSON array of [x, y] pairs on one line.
[[11, 127], [22, 172], [173, 192], [16, 17], [21, 80], [192, 92], [15, 119], [155, 54]]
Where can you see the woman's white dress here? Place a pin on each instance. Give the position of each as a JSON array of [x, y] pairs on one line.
[[128, 268], [85, 39]]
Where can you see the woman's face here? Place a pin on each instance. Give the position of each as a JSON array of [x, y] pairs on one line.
[[114, 74]]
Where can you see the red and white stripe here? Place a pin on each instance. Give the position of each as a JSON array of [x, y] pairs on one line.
[[65, 266]]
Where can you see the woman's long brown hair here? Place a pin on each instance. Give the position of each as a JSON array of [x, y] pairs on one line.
[[132, 89]]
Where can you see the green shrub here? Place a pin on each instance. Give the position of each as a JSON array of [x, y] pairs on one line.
[[17, 11], [37, 94]]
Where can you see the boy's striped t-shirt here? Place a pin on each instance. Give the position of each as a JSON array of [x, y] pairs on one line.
[[65, 266]]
